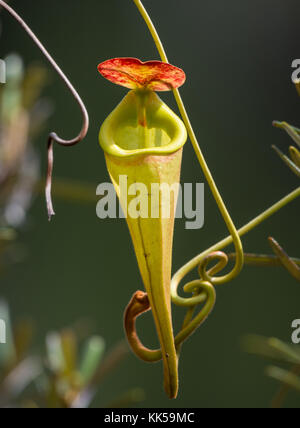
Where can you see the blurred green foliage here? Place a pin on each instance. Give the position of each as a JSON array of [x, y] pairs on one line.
[[66, 374], [234, 91], [281, 353]]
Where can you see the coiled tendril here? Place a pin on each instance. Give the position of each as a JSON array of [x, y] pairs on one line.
[[203, 293], [203, 289], [53, 137], [140, 304]]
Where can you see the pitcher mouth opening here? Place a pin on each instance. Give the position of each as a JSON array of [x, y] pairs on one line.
[[142, 124]]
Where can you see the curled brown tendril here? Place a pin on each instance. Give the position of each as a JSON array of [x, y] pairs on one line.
[[140, 304], [53, 137], [203, 293]]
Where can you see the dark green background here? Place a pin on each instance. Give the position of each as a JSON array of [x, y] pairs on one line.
[[237, 56]]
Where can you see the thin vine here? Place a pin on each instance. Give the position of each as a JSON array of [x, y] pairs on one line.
[[221, 205], [53, 137], [203, 289]]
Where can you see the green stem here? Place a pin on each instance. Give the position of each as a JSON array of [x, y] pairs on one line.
[[229, 223], [194, 263], [263, 260]]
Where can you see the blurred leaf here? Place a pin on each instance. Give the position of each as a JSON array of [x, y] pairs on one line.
[[19, 378], [69, 351], [110, 363], [58, 381], [55, 352], [284, 376], [23, 336], [36, 78], [271, 348], [22, 116], [11, 98], [92, 356], [292, 352]]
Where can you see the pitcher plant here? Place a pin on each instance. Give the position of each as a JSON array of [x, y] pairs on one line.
[[143, 142]]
